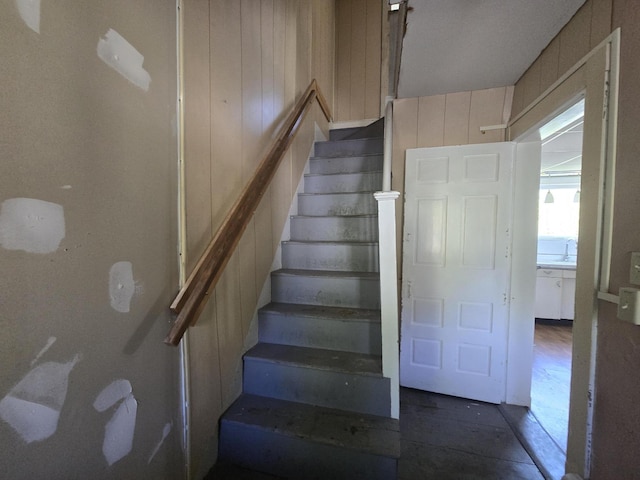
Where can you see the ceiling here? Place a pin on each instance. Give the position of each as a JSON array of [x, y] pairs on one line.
[[460, 45], [563, 154]]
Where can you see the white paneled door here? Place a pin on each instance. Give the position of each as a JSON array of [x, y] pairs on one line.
[[456, 270]]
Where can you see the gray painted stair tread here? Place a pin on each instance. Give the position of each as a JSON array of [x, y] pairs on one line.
[[342, 174], [325, 273], [317, 358], [329, 242], [359, 155], [320, 311], [356, 431], [334, 216]]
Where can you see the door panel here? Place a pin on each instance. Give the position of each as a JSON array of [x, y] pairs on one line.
[[456, 270]]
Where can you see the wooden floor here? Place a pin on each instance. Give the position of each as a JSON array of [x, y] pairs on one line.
[[551, 378], [452, 438], [444, 438]]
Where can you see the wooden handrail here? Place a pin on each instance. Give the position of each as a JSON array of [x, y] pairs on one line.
[[194, 294]]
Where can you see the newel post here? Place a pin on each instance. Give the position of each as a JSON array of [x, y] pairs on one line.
[[389, 294]]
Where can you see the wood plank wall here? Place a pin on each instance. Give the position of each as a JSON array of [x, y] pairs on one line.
[[616, 419], [245, 64], [358, 40], [589, 26], [441, 120]]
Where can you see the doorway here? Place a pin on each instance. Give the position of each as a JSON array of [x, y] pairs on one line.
[[556, 262]]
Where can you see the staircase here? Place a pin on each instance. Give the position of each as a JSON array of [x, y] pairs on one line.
[[315, 404]]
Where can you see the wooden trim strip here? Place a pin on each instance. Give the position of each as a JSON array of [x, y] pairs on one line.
[[193, 296]]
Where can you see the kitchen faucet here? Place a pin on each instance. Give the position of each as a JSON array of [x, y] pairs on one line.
[[566, 248]]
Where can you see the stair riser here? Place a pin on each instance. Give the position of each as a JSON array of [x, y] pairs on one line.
[[334, 229], [292, 457], [340, 257], [337, 204], [329, 291], [344, 182], [312, 332], [345, 391], [349, 147], [342, 133], [366, 163]]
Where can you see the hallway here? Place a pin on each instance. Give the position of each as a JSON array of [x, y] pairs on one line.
[[445, 438]]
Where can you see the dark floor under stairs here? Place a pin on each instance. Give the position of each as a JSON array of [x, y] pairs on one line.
[[315, 404]]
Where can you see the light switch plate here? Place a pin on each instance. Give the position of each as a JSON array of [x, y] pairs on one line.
[[629, 306], [634, 271]]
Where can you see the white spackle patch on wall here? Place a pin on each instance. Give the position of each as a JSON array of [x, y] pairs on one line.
[[118, 434], [121, 286], [50, 342], [32, 225], [29, 11], [120, 55], [165, 434], [112, 394], [33, 406]]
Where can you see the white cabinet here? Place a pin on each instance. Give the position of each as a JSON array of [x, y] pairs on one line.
[[555, 294], [567, 308]]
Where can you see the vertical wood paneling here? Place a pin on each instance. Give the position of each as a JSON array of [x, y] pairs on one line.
[[358, 47], [358, 59], [342, 110], [549, 64], [588, 27], [197, 132], [226, 109], [456, 118], [531, 85], [487, 108], [372, 61], [205, 368], [431, 121], [247, 62], [281, 192], [263, 245], [230, 334], [324, 34], [252, 128], [518, 99], [575, 37], [601, 12]]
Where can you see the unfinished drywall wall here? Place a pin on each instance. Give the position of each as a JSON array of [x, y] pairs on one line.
[[441, 120], [246, 63], [358, 38], [88, 202]]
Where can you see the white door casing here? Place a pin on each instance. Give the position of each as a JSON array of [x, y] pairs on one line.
[[456, 270]]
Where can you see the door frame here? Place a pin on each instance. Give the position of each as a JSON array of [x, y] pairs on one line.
[[595, 77]]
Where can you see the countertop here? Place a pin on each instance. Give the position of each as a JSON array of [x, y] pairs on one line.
[[559, 265]]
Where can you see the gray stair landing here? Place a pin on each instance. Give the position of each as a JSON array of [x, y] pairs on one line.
[[317, 443], [328, 378], [332, 328]]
